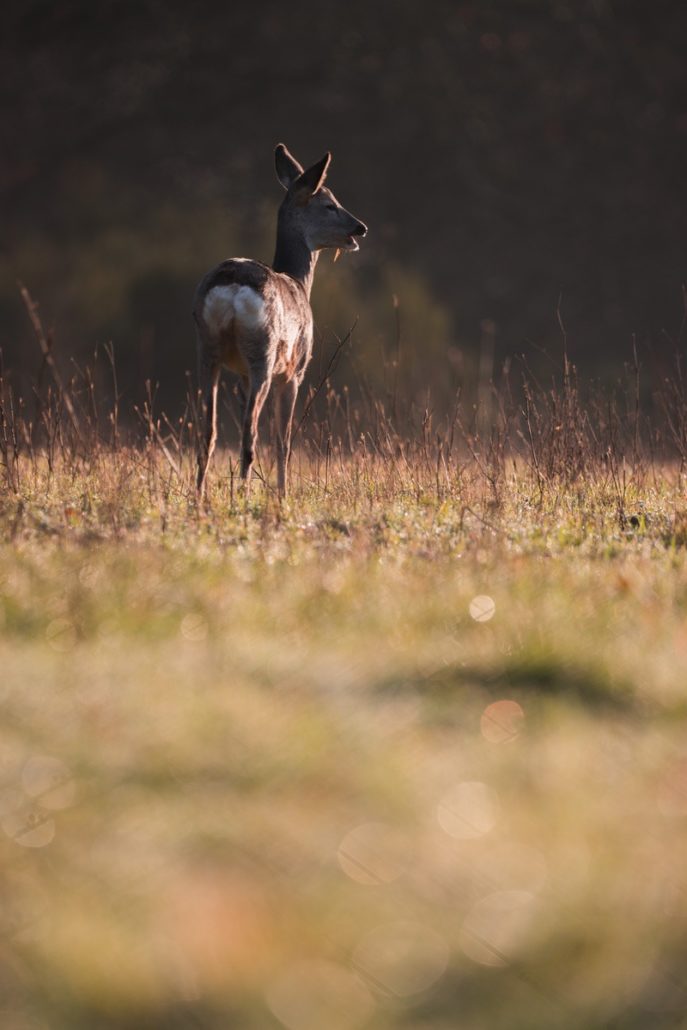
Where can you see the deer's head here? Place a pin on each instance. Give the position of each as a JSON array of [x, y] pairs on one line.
[[310, 209]]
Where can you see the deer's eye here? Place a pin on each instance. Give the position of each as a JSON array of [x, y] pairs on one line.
[[331, 207]]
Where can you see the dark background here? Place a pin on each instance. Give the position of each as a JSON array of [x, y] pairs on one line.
[[503, 152]]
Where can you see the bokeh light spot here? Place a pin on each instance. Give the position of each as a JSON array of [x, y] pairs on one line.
[[369, 854], [493, 929], [61, 635], [49, 780], [194, 627], [482, 608], [468, 810], [30, 827], [314, 994], [502, 721], [402, 958]]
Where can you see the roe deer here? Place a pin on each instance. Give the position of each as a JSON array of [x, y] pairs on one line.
[[257, 320]]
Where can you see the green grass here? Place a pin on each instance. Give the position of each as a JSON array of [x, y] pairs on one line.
[[261, 767]]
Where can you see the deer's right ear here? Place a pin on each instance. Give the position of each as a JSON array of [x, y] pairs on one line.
[[288, 168], [314, 177]]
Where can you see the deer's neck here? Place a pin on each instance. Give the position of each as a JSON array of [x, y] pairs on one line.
[[294, 258]]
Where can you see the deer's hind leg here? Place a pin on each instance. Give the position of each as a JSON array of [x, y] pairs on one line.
[[259, 380], [208, 382]]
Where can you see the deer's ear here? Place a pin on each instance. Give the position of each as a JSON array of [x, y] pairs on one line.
[[288, 168], [311, 180]]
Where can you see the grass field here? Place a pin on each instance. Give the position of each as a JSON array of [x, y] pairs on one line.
[[407, 751]]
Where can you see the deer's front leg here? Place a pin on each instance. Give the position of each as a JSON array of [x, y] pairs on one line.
[[285, 402], [256, 395]]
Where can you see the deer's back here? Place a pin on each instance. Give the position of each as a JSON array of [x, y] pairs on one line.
[[245, 310]]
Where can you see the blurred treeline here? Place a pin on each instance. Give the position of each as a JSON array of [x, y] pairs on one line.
[[503, 152]]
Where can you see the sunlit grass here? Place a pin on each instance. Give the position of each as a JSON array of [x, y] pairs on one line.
[[405, 751]]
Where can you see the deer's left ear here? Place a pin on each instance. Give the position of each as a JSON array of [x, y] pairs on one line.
[[288, 168], [312, 178]]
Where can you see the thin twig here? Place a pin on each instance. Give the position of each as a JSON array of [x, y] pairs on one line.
[[45, 342], [331, 365]]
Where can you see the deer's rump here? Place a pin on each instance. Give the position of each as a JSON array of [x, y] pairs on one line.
[[247, 310]]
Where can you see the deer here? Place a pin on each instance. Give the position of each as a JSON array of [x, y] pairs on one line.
[[257, 321]]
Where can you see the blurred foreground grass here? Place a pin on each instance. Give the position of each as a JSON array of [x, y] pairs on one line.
[[397, 755]]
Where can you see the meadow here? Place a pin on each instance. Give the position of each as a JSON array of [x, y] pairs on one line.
[[407, 750]]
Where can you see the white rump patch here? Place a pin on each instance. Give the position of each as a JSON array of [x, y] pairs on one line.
[[224, 304], [218, 309], [250, 307]]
